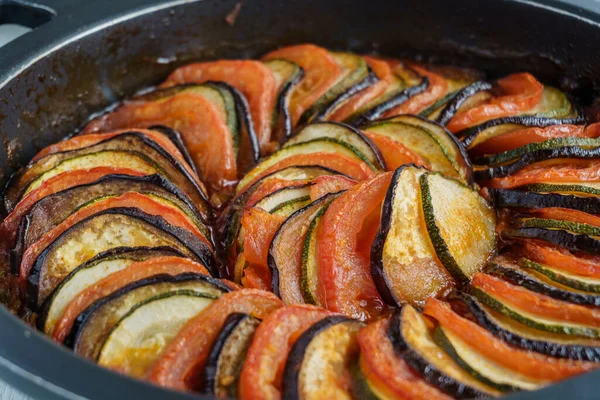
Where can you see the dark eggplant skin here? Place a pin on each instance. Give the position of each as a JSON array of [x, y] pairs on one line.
[[289, 390], [520, 199], [377, 111], [125, 142], [565, 239], [197, 247], [453, 105], [530, 282], [177, 140], [537, 156], [468, 135], [73, 336], [428, 372], [134, 253], [283, 125], [571, 351], [212, 367]]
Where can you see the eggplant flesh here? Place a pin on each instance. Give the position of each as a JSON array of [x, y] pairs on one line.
[[228, 353]]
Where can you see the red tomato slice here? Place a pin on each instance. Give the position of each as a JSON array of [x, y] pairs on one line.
[[565, 214], [517, 93], [350, 167], [262, 371], [395, 153], [259, 228], [536, 303], [522, 137], [528, 363], [143, 269], [256, 277], [382, 70], [343, 250], [387, 371], [145, 203], [557, 257], [438, 87], [252, 78], [321, 72], [181, 364], [60, 182], [329, 184], [202, 127], [573, 171]]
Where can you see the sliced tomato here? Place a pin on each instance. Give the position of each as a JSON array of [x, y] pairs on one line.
[[528, 363], [386, 370], [382, 70], [171, 214], [60, 182], [181, 364], [256, 277], [252, 78], [522, 137], [326, 184], [261, 376], [565, 214], [557, 257], [395, 153], [203, 128], [344, 242], [357, 170], [139, 270], [549, 172], [438, 88], [259, 228], [321, 72], [536, 303], [517, 93]]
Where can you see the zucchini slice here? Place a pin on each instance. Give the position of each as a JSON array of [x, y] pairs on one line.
[[129, 149], [574, 227], [287, 75], [286, 255], [117, 227], [481, 368], [410, 333], [344, 133], [540, 284], [285, 201], [568, 240], [226, 358], [95, 325], [527, 338], [534, 321], [317, 364], [584, 284], [321, 145], [404, 264], [91, 272], [356, 76], [583, 189], [430, 141], [460, 224], [521, 199]]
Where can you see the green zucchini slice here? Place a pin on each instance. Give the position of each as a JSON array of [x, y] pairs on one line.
[[584, 284]]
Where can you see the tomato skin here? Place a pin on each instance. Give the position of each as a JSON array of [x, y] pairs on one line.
[[143, 269], [256, 277], [438, 87], [528, 363], [557, 257], [518, 93], [321, 72], [202, 127], [326, 184], [550, 171], [383, 71], [129, 199], [536, 303], [252, 78], [387, 371], [395, 153], [259, 228], [344, 241], [522, 137], [180, 365], [262, 371]]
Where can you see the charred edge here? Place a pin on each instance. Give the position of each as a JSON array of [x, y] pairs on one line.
[[570, 241], [177, 140], [515, 198], [453, 105]]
